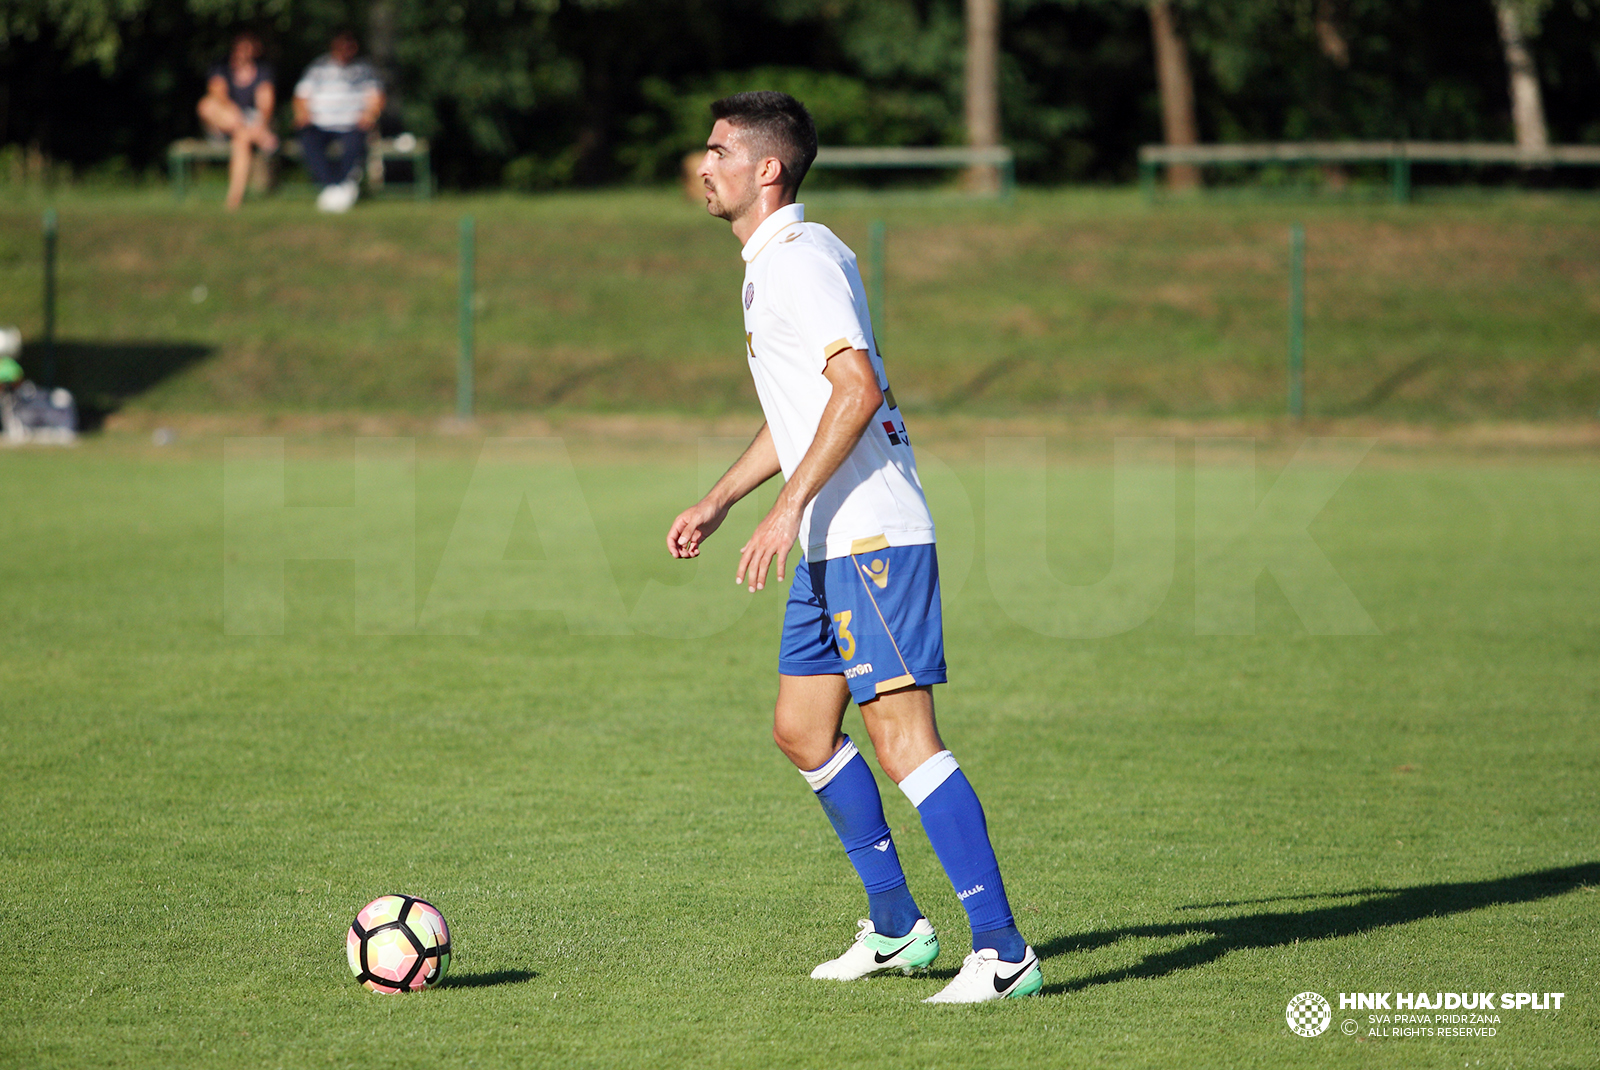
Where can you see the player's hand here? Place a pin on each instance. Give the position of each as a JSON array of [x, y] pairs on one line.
[[693, 527], [771, 540]]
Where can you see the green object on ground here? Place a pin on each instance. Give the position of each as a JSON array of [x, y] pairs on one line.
[[10, 371], [1194, 829]]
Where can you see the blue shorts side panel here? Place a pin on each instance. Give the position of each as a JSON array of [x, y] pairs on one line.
[[874, 616]]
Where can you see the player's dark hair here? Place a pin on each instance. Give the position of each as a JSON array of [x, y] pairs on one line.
[[777, 125]]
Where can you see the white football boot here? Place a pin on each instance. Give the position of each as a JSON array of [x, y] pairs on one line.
[[328, 199], [874, 953], [984, 976]]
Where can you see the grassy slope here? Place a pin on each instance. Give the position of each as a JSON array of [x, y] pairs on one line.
[[1076, 301], [1193, 827]]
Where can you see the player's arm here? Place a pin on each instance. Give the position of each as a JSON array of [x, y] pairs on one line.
[[694, 525], [856, 396]]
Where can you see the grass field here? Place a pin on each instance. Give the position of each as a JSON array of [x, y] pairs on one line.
[[1075, 301], [1194, 827]]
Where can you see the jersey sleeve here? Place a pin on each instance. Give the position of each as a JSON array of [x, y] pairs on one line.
[[821, 305]]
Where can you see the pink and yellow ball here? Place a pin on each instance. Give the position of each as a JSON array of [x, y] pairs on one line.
[[398, 943]]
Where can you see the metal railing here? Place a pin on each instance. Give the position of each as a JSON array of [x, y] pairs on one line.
[[1399, 155]]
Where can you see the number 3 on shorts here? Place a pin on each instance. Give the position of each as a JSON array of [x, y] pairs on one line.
[[845, 641]]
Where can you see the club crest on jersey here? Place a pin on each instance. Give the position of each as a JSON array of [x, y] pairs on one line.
[[879, 571], [749, 295]]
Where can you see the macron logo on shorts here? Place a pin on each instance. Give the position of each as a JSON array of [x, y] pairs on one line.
[[879, 571], [858, 670]]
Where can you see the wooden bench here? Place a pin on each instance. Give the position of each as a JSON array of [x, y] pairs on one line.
[[1399, 155], [923, 157], [184, 153]]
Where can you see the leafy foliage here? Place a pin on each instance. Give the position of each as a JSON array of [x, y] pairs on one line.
[[544, 93]]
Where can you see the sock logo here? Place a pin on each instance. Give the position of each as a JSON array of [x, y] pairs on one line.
[[881, 845], [974, 890]]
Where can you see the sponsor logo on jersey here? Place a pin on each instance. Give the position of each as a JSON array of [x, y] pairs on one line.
[[749, 295]]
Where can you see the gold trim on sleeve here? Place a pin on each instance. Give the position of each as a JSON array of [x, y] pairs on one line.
[[869, 544], [835, 347]]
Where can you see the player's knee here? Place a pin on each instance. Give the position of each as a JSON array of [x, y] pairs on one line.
[[800, 747], [787, 741]]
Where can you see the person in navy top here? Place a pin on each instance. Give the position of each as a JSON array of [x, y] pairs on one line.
[[238, 107]]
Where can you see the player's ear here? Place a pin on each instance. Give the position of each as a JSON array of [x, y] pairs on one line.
[[770, 173]]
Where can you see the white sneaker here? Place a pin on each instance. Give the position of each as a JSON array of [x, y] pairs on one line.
[[873, 953], [328, 199], [351, 188], [984, 977]]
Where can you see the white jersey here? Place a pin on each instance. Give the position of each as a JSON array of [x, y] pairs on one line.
[[803, 304]]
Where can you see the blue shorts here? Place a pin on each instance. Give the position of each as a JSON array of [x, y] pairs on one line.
[[873, 616]]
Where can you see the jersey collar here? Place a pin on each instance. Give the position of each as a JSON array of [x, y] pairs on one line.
[[769, 228]]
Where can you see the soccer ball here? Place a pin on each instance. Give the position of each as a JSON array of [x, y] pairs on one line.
[[398, 943]]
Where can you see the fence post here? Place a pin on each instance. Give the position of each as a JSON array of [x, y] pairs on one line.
[[875, 297], [1297, 321], [48, 374], [1400, 179], [464, 384]]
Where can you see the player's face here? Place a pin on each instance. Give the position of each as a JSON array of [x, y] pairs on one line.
[[729, 173]]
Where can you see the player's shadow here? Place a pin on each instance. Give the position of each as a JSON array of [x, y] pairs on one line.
[[488, 979], [1375, 908]]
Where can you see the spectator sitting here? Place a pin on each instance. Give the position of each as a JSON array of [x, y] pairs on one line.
[[238, 107], [339, 98]]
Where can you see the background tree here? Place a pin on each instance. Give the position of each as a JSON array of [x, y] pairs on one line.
[[546, 93], [1178, 121], [983, 88], [1515, 19]]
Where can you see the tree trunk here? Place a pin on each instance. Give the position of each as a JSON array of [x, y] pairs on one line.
[[1527, 107], [1177, 92], [380, 43], [983, 89]]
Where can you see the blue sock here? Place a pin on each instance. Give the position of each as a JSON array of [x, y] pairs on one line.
[[953, 819], [849, 796]]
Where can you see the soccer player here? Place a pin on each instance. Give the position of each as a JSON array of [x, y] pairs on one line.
[[863, 618]]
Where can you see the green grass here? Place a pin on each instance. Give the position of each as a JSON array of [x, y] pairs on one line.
[[1194, 828], [1077, 301]]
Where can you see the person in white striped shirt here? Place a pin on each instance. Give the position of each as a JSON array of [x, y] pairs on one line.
[[339, 98]]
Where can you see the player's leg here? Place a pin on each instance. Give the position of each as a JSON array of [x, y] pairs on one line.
[[812, 697], [905, 735], [806, 727], [893, 607]]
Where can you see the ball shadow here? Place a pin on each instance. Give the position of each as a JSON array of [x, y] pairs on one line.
[[488, 979]]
